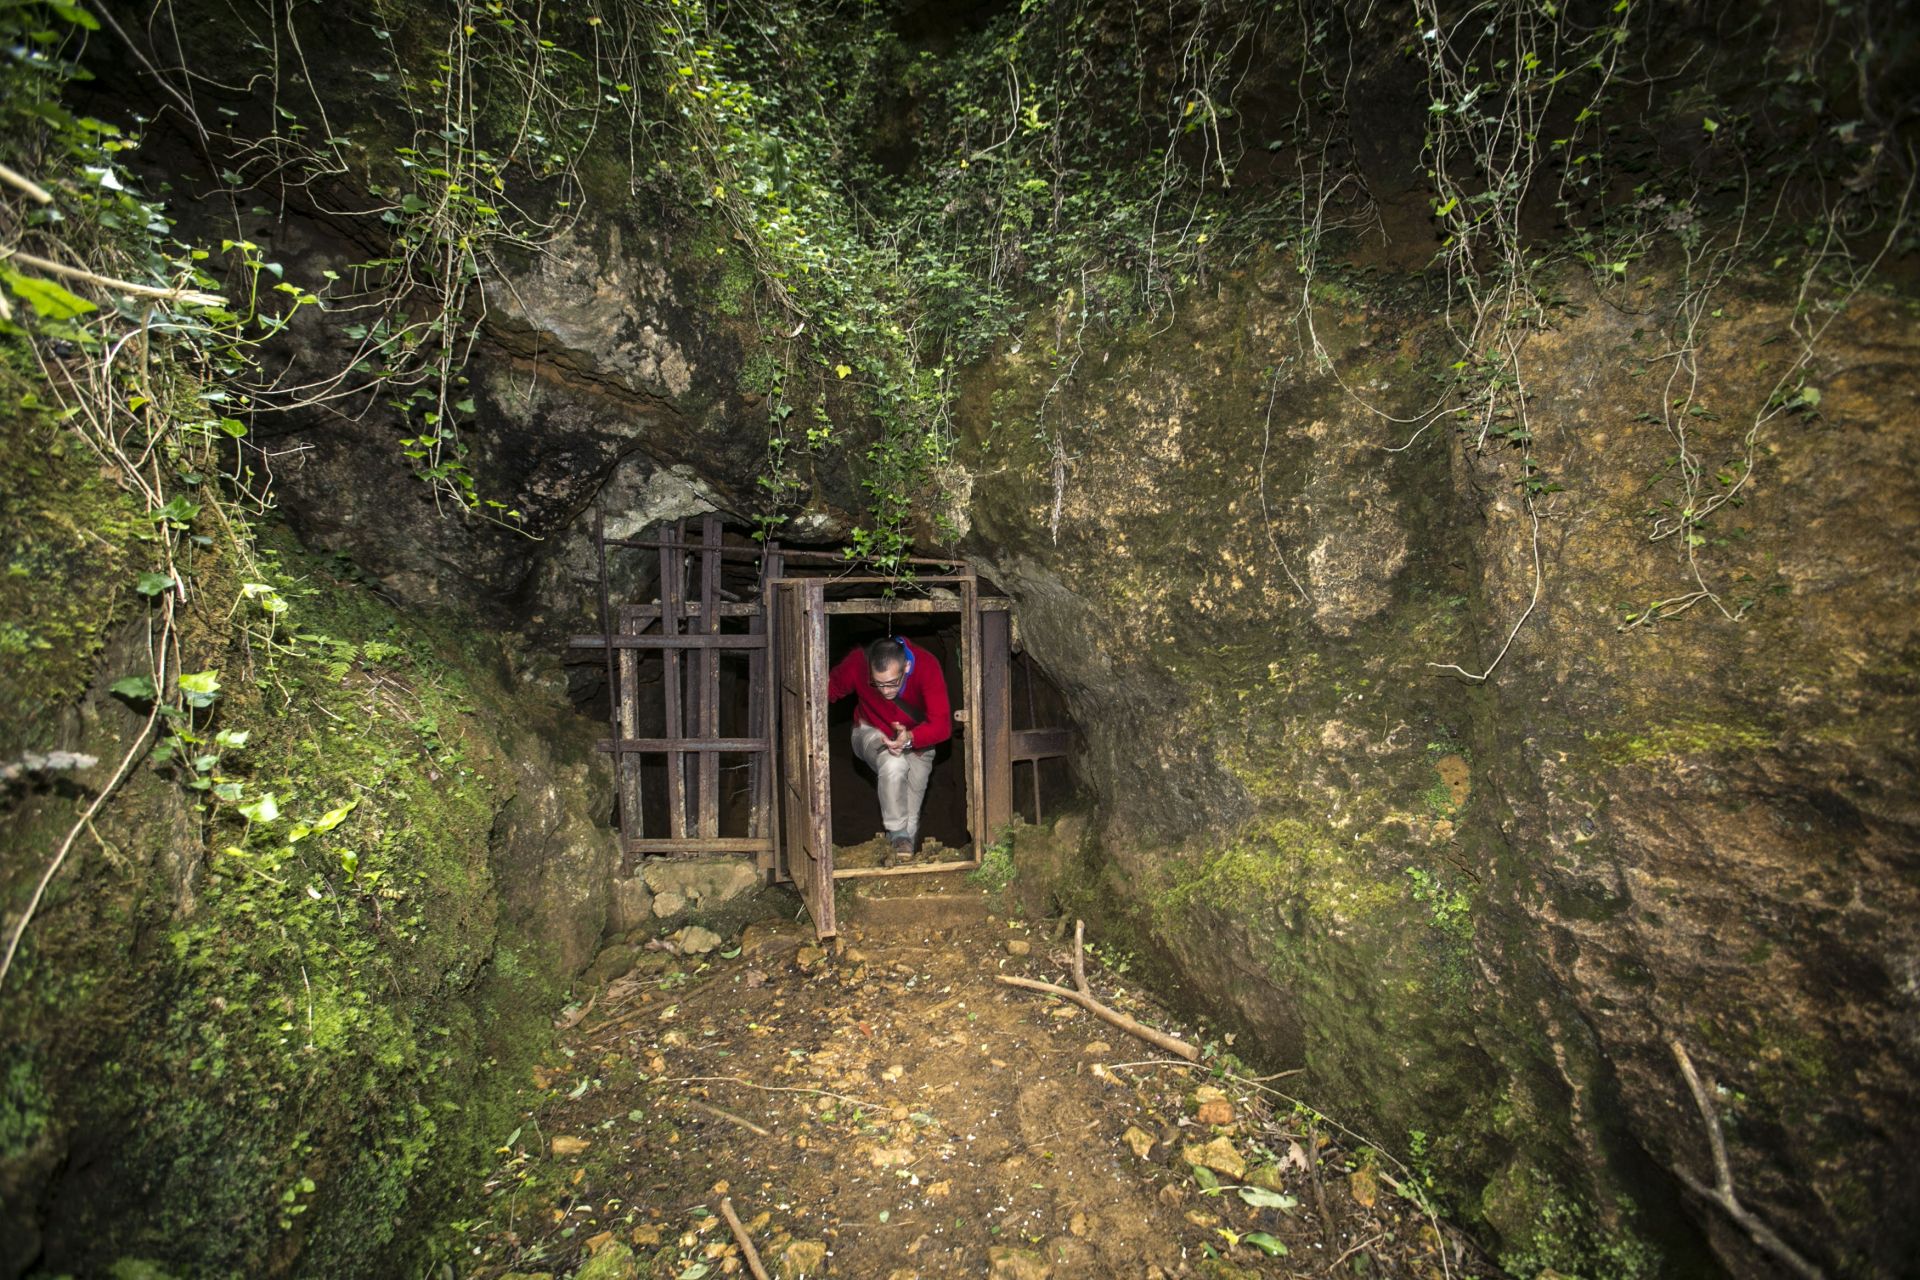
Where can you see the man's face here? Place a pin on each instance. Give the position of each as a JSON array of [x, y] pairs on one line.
[[888, 679]]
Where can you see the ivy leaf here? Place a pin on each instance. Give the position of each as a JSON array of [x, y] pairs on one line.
[[842, 369], [334, 817], [1265, 1244], [137, 688], [201, 687], [48, 298], [265, 809], [75, 14], [152, 584], [1261, 1198]]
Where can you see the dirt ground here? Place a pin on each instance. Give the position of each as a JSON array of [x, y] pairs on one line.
[[887, 1109]]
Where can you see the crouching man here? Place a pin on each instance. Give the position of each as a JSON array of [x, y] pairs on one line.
[[901, 714]]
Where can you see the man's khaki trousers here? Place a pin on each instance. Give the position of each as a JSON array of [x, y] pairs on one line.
[[902, 780]]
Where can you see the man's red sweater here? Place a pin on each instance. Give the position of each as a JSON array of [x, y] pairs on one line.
[[922, 703]]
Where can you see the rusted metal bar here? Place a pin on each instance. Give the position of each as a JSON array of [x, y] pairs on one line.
[[707, 669], [670, 642], [672, 567], [654, 746]]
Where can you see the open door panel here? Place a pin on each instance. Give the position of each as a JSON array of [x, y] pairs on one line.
[[800, 621]]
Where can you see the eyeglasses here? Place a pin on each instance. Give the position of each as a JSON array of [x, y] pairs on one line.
[[888, 686]]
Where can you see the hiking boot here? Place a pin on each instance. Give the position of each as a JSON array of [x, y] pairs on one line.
[[900, 848]]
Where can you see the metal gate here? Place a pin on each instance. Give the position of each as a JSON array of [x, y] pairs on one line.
[[780, 624]]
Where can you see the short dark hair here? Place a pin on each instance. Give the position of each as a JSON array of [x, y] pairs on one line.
[[887, 651]]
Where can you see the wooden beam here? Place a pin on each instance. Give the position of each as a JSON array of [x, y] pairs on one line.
[[654, 746], [670, 642], [694, 844]]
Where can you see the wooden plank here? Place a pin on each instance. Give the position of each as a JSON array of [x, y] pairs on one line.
[[762, 768], [801, 624], [655, 746], [691, 609], [892, 606], [995, 720], [707, 675], [918, 869], [671, 568], [1041, 744], [627, 726], [970, 682], [724, 844], [670, 641]]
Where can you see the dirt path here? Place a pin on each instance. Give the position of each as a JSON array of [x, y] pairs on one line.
[[893, 1112]]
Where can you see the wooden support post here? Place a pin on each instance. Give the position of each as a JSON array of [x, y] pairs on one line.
[[993, 720], [672, 569], [707, 677]]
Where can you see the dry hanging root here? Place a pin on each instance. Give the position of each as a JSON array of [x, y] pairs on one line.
[[1158, 1039]]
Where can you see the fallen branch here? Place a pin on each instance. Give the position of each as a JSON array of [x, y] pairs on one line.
[[52, 268], [1080, 957], [747, 1250], [774, 1088], [1158, 1039], [1721, 1193], [729, 1116], [20, 181]]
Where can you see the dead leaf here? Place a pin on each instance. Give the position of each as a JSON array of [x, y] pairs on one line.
[[939, 1190], [596, 1243], [1364, 1186], [1139, 1140], [565, 1146]]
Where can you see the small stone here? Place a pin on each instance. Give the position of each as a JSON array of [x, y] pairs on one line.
[[646, 1235], [632, 906], [565, 1146], [1219, 1156], [1364, 1187], [1138, 1139], [809, 958], [613, 962], [939, 1190], [1208, 1093], [802, 1258], [1016, 1264], [1019, 947], [1097, 1047], [1218, 1111], [1077, 1225], [1172, 1193], [697, 940], [669, 904], [893, 1073], [1267, 1177]]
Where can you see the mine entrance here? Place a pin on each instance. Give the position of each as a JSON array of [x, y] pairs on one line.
[[722, 738]]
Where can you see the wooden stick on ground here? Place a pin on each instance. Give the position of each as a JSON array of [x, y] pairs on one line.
[[740, 1236], [729, 1116], [1721, 1193], [1080, 957], [1158, 1039]]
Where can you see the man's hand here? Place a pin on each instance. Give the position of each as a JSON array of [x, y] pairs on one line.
[[902, 739]]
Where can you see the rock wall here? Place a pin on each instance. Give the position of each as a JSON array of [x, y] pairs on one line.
[[1481, 912]]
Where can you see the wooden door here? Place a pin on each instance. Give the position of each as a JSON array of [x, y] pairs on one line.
[[806, 849]]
